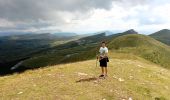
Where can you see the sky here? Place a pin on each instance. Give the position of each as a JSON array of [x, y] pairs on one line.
[[84, 16]]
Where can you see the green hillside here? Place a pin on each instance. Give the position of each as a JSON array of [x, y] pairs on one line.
[[83, 49], [143, 46], [162, 35], [22, 46], [128, 79], [42, 50], [133, 72], [136, 44]]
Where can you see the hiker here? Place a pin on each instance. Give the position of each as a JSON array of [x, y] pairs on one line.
[[103, 59]]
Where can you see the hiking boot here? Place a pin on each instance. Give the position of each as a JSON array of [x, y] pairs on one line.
[[101, 76]]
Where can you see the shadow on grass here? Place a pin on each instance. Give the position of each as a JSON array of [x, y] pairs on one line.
[[87, 79]]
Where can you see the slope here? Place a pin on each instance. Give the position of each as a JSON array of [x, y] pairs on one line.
[[16, 48], [162, 35], [21, 46], [128, 78], [83, 49], [143, 46]]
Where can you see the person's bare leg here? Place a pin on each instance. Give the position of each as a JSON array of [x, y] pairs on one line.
[[102, 70], [105, 70]]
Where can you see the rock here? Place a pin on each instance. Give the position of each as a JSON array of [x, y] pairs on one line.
[[121, 80], [82, 74], [96, 81], [130, 77], [143, 83], [140, 66], [115, 77], [130, 98], [111, 90], [19, 92], [49, 74]]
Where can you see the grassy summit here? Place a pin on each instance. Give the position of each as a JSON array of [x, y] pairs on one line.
[[143, 46], [128, 78], [162, 35]]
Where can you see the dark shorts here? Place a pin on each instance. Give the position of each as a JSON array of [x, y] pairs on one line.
[[103, 62]]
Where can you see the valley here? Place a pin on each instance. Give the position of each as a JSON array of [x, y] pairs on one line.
[[44, 50], [138, 68]]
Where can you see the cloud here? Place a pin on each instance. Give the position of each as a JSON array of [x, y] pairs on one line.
[[43, 13], [80, 15], [27, 10], [131, 3]]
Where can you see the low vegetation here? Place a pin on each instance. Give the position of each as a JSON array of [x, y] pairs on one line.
[[162, 36], [143, 46], [130, 78], [138, 70]]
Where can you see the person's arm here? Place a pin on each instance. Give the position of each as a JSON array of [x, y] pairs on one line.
[[106, 53]]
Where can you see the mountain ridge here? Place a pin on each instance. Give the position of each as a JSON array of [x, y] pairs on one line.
[[144, 46], [162, 35]]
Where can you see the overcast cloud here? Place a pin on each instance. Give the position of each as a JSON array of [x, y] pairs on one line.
[[83, 15]]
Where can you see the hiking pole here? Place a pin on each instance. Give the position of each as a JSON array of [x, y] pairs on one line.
[[96, 61], [96, 58]]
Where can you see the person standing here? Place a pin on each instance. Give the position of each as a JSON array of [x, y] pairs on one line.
[[103, 59]]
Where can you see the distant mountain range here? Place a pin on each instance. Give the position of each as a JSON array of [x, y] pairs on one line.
[[107, 33], [131, 31], [64, 34], [48, 49], [13, 33], [162, 35], [58, 34], [73, 50], [14, 47]]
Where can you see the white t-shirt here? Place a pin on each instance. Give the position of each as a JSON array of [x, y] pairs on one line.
[[103, 51]]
